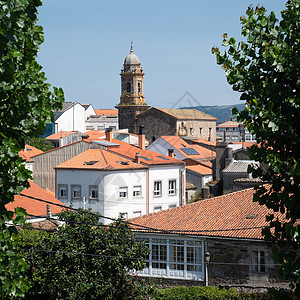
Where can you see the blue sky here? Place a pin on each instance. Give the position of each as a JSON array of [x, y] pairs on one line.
[[87, 41]]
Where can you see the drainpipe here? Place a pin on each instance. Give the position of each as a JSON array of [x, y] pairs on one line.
[[147, 192]]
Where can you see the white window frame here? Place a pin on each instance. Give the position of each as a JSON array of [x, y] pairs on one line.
[[75, 188], [123, 189], [157, 209], [137, 191], [62, 187], [258, 262], [174, 257], [157, 188], [136, 214], [172, 191], [93, 188]]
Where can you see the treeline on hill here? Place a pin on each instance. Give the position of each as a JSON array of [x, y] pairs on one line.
[[222, 113]]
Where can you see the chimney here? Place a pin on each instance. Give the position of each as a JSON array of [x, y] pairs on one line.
[[137, 158], [48, 211], [142, 138], [171, 153], [108, 134]]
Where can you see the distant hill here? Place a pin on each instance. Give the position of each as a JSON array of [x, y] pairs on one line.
[[222, 113]]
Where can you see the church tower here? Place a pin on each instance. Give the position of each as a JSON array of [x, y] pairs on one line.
[[132, 100]]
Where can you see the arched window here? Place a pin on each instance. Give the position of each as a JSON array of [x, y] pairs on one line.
[[128, 87], [139, 86]]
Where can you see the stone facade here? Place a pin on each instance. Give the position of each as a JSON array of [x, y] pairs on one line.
[[158, 122]]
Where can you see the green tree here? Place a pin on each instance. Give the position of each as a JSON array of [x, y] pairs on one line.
[[25, 107], [40, 143], [265, 68], [84, 261]]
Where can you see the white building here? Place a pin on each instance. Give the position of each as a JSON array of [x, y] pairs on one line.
[[114, 184], [72, 117]]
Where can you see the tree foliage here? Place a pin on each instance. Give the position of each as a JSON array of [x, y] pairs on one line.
[[40, 143], [265, 68], [25, 107], [83, 261]]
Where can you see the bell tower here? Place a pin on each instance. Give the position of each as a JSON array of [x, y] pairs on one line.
[[132, 100]]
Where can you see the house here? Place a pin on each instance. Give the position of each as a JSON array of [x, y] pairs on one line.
[[70, 118], [63, 138], [225, 228], [188, 123], [197, 158], [182, 150], [232, 131], [88, 110], [44, 163], [122, 179], [31, 200], [103, 119], [28, 153]]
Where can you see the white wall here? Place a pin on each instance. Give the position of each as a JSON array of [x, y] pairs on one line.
[[89, 112], [109, 203], [71, 120]]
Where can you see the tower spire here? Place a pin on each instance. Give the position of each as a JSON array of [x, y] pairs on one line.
[[131, 47]]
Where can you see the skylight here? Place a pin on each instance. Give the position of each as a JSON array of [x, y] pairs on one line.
[[91, 162], [162, 157], [146, 158]]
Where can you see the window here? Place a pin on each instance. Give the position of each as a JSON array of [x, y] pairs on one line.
[[137, 191], [101, 127], [200, 131], [94, 192], [75, 192], [124, 215], [191, 131], [159, 254], [172, 187], [174, 257], [157, 208], [62, 191], [258, 261], [172, 205], [157, 188], [89, 127], [128, 87], [137, 213], [123, 192], [139, 86]]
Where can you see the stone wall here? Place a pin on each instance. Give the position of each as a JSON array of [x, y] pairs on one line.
[[156, 123]]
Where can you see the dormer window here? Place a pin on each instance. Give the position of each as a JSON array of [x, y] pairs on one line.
[[128, 88]]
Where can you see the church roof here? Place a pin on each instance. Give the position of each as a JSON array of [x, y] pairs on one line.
[[192, 114], [131, 58]]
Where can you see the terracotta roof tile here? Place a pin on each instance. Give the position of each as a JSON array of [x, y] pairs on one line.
[[200, 169], [206, 142], [58, 135], [35, 207], [106, 112], [178, 143], [26, 153], [99, 159], [233, 215], [187, 114], [229, 124], [147, 156]]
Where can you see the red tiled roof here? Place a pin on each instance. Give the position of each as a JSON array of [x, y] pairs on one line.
[[58, 135], [200, 169], [106, 112], [99, 159], [147, 156], [94, 134], [233, 215], [187, 114], [35, 207], [26, 153], [206, 142], [229, 124], [178, 143]]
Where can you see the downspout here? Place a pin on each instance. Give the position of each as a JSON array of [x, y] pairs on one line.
[[147, 191]]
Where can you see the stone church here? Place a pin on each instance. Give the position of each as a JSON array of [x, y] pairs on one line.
[[133, 111]]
